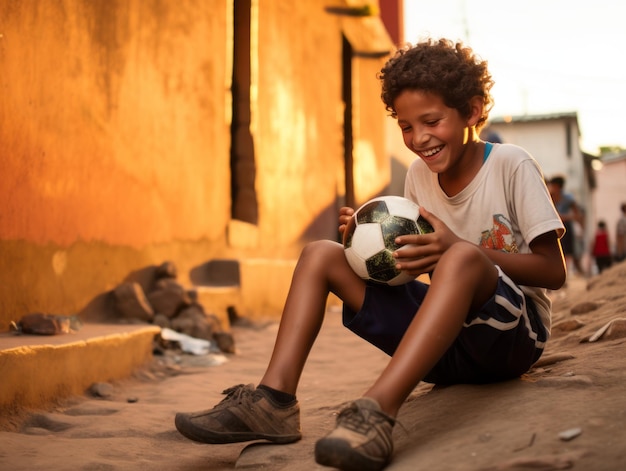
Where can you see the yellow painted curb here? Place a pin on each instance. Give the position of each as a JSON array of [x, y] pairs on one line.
[[36, 375]]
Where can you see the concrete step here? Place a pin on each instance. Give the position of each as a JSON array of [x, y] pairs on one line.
[[37, 370]]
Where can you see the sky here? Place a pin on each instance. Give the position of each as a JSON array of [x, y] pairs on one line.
[[546, 56]]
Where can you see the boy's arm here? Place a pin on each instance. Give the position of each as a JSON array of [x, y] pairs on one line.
[[544, 267]]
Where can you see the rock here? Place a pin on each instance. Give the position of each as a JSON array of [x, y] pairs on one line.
[[132, 302], [616, 330], [168, 297], [212, 319], [166, 270], [193, 321], [161, 320], [44, 324], [38, 422], [585, 307], [236, 320], [567, 325], [193, 295], [103, 390], [225, 341]]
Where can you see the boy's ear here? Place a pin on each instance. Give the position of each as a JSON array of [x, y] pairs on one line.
[[476, 110]]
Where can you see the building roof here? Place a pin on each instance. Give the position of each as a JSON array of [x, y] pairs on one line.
[[613, 157], [534, 117]]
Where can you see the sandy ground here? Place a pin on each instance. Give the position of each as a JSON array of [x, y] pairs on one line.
[[577, 389]]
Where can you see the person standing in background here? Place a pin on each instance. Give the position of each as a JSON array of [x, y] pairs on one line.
[[601, 250], [570, 214], [620, 236]]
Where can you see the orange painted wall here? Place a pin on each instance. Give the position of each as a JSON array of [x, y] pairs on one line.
[[115, 140], [112, 115]]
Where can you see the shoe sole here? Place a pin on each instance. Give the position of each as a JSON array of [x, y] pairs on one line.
[[339, 454], [196, 434]]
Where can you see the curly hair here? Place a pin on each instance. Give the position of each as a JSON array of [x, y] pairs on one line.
[[450, 70]]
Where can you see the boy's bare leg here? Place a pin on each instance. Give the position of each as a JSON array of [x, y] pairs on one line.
[[464, 279], [249, 413], [321, 268]]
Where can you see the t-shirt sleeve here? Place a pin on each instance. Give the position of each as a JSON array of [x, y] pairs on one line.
[[531, 202]]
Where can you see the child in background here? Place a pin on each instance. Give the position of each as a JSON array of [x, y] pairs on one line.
[[601, 250], [620, 235]]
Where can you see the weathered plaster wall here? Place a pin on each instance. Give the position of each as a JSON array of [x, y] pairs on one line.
[[115, 140], [112, 119], [112, 116], [372, 169], [296, 120]]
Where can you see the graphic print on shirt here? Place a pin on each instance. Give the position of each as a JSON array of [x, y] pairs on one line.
[[500, 236]]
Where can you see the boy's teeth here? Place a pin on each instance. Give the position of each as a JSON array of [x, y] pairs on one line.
[[428, 153]]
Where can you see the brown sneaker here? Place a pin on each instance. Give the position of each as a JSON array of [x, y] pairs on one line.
[[361, 441], [244, 414]]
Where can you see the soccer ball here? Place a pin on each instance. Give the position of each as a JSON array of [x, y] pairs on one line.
[[369, 238]]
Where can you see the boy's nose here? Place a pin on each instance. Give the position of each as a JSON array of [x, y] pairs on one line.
[[420, 138]]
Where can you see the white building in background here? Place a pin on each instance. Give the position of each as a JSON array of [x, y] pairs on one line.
[[554, 141], [611, 191]]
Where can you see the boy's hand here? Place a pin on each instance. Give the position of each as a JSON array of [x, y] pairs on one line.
[[345, 214], [420, 253]]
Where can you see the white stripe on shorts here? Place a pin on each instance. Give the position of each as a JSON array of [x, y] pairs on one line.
[[517, 308]]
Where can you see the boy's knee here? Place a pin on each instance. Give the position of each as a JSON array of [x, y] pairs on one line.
[[321, 249], [462, 252], [463, 256], [465, 263]]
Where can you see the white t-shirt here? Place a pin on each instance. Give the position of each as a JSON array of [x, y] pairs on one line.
[[504, 207]]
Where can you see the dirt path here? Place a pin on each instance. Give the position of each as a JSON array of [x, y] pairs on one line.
[[579, 389]]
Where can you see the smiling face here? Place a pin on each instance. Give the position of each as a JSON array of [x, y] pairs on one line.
[[439, 135]]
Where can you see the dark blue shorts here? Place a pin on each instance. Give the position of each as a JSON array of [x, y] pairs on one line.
[[500, 341]]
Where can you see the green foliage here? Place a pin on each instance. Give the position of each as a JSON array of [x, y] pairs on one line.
[[604, 150]]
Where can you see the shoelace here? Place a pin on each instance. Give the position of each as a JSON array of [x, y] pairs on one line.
[[356, 418], [236, 393]]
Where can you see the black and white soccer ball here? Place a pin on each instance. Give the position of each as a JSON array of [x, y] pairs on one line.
[[369, 238]]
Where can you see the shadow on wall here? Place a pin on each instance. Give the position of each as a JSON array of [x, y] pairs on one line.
[[220, 273], [216, 272], [99, 309], [325, 225], [104, 307], [398, 175]]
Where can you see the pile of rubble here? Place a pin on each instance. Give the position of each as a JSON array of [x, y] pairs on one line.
[[166, 303]]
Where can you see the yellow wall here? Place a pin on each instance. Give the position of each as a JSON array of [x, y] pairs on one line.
[[112, 115], [111, 118], [115, 139]]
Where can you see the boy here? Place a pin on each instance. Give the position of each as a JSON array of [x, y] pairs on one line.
[[485, 315]]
